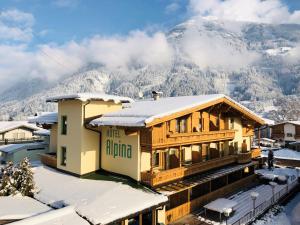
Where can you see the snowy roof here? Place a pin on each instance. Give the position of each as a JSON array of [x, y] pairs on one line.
[[44, 118], [220, 205], [268, 121], [139, 113], [284, 153], [91, 96], [11, 125], [63, 216], [11, 148], [42, 132], [294, 122], [100, 201], [267, 139], [19, 207]]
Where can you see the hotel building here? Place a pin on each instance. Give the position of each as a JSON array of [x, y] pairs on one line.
[[192, 149]]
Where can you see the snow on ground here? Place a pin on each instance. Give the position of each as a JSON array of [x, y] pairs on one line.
[[64, 216], [19, 207], [276, 172], [283, 153], [100, 201], [282, 215]]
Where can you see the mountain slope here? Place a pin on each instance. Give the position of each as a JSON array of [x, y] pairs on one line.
[[248, 61]]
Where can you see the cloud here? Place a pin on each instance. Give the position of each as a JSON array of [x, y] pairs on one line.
[[262, 11], [210, 50], [52, 61], [172, 7], [293, 55], [16, 25]]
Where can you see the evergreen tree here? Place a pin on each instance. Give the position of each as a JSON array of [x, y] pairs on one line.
[[7, 183], [23, 177]]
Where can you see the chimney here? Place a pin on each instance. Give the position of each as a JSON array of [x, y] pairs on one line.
[[156, 95]]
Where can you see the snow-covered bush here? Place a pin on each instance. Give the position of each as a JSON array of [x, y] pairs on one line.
[[17, 179]]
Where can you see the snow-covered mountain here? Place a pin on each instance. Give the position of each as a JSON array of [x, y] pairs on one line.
[[248, 61]]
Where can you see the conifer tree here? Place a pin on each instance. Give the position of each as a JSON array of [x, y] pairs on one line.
[[7, 183]]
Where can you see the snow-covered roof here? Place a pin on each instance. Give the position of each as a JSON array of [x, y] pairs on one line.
[[44, 118], [63, 216], [284, 153], [100, 201], [11, 125], [220, 205], [139, 113], [294, 122], [268, 140], [91, 96], [12, 148], [42, 132], [19, 207], [268, 121]]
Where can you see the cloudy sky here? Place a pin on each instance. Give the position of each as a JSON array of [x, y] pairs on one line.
[[49, 39]]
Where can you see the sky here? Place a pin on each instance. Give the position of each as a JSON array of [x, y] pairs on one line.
[[50, 39]]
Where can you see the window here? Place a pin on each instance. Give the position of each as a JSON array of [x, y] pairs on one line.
[[289, 135], [231, 123], [63, 156], [64, 125], [156, 159], [181, 125]]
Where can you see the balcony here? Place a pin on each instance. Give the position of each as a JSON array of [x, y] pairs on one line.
[[244, 157], [49, 159], [165, 176], [192, 137]]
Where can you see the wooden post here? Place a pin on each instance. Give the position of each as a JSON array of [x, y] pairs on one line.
[[219, 118], [180, 156], [258, 137], [151, 167], [140, 219]]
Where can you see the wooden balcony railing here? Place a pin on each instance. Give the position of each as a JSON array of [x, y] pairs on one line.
[[49, 160], [165, 176], [244, 157], [192, 137]]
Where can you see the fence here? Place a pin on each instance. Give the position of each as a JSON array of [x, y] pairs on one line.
[[260, 209]]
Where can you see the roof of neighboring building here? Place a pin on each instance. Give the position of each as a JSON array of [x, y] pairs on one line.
[[12, 148], [11, 125], [294, 122], [44, 118], [268, 121], [140, 113], [91, 96], [268, 139], [63, 216], [42, 132], [101, 200], [20, 207]]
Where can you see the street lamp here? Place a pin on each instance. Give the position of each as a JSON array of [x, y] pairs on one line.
[[273, 185], [254, 195], [227, 212]]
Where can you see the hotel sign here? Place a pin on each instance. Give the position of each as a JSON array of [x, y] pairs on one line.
[[115, 145]]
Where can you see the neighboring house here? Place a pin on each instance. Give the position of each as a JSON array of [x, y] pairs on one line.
[[16, 152], [17, 131], [192, 149], [286, 132]]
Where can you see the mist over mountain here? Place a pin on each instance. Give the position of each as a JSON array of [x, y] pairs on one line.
[[247, 61]]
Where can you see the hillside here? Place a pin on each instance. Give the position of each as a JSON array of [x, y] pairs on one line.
[[248, 61]]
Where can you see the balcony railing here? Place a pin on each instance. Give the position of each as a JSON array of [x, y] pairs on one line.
[[255, 153], [160, 177], [49, 159], [192, 137], [20, 140], [244, 157]]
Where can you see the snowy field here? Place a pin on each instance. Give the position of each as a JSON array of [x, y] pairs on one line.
[[284, 153]]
